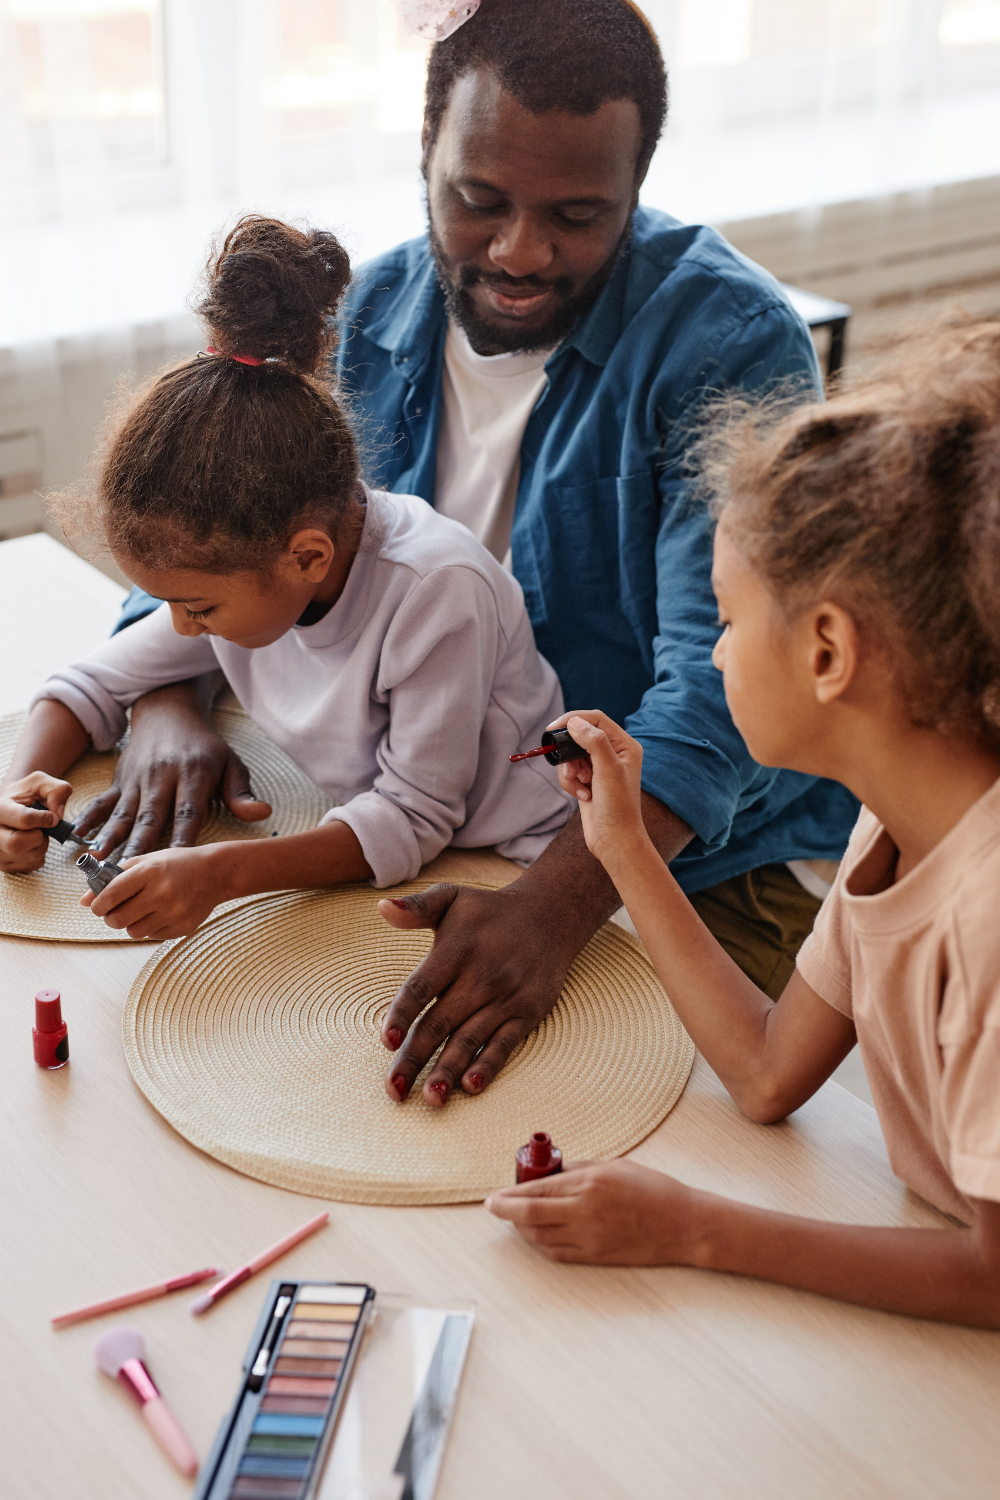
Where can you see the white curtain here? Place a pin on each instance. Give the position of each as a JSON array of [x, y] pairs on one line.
[[131, 129]]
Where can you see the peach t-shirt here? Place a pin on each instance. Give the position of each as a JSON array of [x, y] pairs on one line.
[[917, 967]]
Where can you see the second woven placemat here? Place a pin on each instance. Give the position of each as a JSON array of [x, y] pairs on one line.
[[46, 903]]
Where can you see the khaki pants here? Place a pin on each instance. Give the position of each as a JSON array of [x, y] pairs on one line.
[[762, 919]]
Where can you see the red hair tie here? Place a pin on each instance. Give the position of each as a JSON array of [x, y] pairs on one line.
[[241, 359]]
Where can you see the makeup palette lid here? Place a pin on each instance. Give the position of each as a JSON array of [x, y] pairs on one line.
[[257, 1038], [46, 903]]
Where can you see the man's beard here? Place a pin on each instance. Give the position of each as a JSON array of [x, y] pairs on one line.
[[487, 336]]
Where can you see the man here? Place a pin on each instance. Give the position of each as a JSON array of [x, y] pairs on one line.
[[534, 368]]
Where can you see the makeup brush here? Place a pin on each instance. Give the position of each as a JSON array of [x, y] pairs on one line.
[[121, 1353]]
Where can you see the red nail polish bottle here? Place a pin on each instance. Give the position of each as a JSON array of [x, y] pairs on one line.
[[50, 1033], [539, 1158]]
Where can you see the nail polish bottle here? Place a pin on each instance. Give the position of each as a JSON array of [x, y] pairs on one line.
[[539, 1158], [50, 1033], [99, 873]]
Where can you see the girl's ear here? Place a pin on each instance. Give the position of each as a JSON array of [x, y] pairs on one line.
[[310, 553], [834, 649]]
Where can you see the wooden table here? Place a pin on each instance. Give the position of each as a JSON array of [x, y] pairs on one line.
[[595, 1384]]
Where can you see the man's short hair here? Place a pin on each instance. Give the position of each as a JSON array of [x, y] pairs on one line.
[[570, 55]]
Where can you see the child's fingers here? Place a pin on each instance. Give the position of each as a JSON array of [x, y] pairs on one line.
[[16, 809], [607, 732]]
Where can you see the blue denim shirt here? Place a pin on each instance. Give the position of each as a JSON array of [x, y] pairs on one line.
[[613, 556]]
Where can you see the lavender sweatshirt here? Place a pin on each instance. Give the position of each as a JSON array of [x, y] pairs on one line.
[[403, 703]]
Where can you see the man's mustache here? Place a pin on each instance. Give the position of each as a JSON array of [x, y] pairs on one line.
[[470, 276]]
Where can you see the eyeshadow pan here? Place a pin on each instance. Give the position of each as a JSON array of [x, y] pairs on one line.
[[289, 1426], [253, 1487], [293, 1365], [321, 1314], [288, 1385], [270, 1442], [316, 1348], [274, 1466], [306, 1406], [300, 1329]]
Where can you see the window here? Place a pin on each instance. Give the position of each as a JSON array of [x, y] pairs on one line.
[[82, 86]]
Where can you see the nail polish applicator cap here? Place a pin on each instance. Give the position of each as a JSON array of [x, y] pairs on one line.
[[557, 745], [48, 1010]]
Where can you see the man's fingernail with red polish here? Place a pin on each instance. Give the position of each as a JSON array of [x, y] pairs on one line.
[[440, 1088], [476, 1079], [394, 1037], [399, 1083], [401, 904]]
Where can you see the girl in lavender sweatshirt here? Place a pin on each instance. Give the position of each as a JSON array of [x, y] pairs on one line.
[[375, 641]]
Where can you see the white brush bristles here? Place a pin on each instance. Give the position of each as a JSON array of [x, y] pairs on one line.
[[117, 1345]]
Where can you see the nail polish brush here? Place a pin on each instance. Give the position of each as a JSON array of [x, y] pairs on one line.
[[121, 1353]]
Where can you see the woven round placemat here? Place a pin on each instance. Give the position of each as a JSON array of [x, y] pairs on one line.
[[46, 903], [257, 1039]]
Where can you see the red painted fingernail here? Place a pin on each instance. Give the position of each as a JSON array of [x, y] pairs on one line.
[[399, 1083], [394, 1037], [476, 1079], [439, 1088], [396, 901]]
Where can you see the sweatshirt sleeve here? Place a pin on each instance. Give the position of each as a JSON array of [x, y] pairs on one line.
[[437, 668], [148, 655]]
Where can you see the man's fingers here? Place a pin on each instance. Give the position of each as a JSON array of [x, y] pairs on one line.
[[431, 976], [494, 1056], [237, 794], [118, 827], [149, 821], [464, 1053], [190, 810], [97, 811]]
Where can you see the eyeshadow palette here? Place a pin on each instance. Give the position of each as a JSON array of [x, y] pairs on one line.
[[297, 1370]]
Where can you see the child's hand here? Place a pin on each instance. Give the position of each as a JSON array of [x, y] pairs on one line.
[[163, 895], [607, 787], [612, 1213], [23, 845]]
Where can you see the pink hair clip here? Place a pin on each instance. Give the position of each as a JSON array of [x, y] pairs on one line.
[[435, 19]]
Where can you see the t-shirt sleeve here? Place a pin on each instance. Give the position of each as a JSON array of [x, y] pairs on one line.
[[824, 960], [969, 1041]]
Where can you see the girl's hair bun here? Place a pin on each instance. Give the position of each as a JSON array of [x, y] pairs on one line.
[[272, 290]]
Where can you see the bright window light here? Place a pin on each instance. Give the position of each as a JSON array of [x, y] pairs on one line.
[[970, 23]]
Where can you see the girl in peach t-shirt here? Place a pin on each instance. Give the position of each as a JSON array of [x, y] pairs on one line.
[[857, 570]]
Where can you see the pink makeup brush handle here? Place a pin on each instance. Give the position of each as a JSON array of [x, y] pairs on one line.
[[164, 1426]]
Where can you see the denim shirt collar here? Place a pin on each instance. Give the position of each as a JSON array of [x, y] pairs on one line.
[[409, 333]]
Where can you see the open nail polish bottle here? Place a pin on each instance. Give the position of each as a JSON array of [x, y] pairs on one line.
[[539, 1158]]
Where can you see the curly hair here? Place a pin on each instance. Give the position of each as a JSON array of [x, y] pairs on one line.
[[570, 55], [213, 464], [886, 500]]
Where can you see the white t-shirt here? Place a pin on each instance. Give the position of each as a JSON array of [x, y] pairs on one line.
[[404, 702], [488, 399]]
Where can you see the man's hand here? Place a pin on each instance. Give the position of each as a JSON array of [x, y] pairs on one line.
[[607, 1213], [499, 960], [173, 764], [163, 895], [23, 844]]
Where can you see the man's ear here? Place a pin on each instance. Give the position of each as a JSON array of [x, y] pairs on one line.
[[309, 554], [833, 652]]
